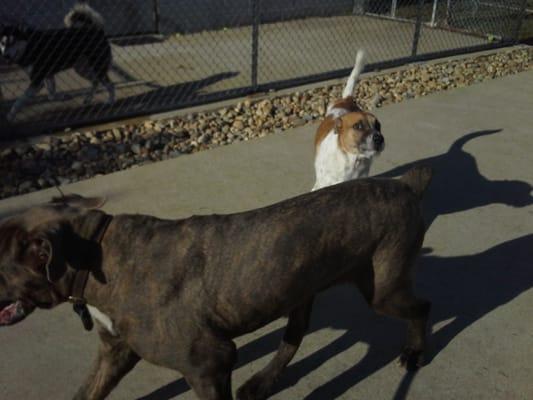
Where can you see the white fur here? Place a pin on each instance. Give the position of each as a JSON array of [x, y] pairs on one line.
[[3, 44], [350, 84], [354, 76], [80, 8], [336, 112], [103, 319], [332, 165]]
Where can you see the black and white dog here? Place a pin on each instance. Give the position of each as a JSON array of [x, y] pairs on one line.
[[81, 45]]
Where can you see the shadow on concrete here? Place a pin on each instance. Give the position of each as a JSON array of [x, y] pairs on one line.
[[462, 289], [168, 95], [457, 184]]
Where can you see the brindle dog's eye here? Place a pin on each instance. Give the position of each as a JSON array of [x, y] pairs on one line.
[[377, 126]]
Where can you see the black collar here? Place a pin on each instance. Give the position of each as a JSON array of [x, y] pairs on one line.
[[79, 303]]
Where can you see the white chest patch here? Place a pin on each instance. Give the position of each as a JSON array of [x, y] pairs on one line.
[[102, 319], [333, 166]]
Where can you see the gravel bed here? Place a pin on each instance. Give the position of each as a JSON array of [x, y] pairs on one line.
[[69, 157]]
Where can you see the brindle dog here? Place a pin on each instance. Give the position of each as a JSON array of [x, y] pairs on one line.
[[176, 293]]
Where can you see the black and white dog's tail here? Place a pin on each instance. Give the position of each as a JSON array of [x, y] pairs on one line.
[[83, 16]]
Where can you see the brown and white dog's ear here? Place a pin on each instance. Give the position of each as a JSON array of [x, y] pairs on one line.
[[338, 126]]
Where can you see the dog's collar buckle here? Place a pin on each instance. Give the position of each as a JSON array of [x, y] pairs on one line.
[[77, 300]]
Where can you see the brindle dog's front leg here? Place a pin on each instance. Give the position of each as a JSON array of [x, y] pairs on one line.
[[115, 360]]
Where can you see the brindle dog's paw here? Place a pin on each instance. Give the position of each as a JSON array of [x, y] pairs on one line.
[[257, 388], [411, 359]]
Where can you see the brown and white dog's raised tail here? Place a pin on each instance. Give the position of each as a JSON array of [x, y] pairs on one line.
[[354, 76]]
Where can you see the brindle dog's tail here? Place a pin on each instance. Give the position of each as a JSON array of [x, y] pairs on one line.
[[418, 179]]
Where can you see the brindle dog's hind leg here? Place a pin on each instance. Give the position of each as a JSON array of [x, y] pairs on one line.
[[260, 385], [395, 297]]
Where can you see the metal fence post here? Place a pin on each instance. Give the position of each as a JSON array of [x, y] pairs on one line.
[[448, 14], [434, 13], [255, 4], [520, 20], [157, 12], [418, 27], [393, 8]]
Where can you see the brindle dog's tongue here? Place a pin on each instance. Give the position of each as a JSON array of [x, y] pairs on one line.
[[11, 314]]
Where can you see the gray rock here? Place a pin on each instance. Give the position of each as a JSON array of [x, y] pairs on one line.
[[25, 186], [63, 180], [92, 152], [76, 166], [136, 148], [43, 146]]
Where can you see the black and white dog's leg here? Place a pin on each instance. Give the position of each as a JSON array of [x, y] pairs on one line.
[[89, 98], [28, 94], [110, 89], [50, 83]]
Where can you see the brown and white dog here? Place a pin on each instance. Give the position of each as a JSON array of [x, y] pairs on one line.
[[348, 139]]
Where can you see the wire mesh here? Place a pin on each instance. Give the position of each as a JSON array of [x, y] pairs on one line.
[[152, 56]]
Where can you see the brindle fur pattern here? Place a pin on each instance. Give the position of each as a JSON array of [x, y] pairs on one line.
[[179, 291]]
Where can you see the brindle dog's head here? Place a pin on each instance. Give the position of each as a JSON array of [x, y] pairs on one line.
[[360, 133], [39, 251]]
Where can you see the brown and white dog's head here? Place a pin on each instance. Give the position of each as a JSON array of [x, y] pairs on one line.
[[359, 133], [39, 251]]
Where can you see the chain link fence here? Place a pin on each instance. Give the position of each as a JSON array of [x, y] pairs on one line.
[[138, 57]]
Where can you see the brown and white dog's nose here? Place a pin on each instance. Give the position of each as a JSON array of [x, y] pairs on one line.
[[378, 139]]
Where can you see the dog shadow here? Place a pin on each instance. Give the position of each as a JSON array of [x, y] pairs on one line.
[[458, 185], [463, 288], [161, 97]]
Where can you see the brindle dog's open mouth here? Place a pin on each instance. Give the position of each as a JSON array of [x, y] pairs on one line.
[[13, 312]]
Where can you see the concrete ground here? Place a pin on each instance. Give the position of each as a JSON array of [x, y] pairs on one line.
[[476, 266], [185, 67]]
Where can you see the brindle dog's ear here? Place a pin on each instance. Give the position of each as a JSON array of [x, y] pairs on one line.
[[44, 252], [338, 126]]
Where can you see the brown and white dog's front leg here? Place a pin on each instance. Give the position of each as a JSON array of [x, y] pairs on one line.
[[115, 360]]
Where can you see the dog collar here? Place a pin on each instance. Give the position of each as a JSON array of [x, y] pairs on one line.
[[79, 303]]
